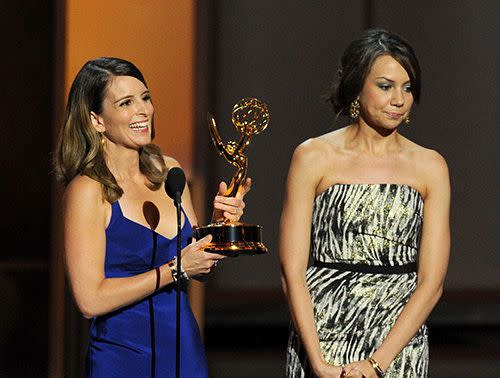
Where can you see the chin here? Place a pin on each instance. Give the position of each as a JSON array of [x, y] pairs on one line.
[[385, 128], [145, 143], [140, 143]]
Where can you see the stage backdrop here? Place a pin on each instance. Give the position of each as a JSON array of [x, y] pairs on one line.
[[157, 36], [286, 53]]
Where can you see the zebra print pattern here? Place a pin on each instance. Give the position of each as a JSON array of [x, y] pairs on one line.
[[377, 224]]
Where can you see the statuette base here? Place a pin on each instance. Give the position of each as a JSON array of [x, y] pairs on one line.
[[232, 239]]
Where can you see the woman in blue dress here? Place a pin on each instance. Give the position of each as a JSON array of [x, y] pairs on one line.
[[120, 230]]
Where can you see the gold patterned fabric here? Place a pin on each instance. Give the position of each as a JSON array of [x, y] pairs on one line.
[[369, 224]]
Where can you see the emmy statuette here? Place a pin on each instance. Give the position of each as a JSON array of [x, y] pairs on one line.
[[250, 117]]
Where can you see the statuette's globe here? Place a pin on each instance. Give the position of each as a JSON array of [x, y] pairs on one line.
[[250, 116]]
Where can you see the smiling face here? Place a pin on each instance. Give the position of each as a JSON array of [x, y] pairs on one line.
[[127, 113], [386, 97]]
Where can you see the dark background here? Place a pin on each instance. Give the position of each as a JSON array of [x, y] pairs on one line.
[[286, 54]]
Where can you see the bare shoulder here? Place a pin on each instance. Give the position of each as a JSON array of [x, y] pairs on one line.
[[433, 160], [435, 170], [317, 150], [430, 165], [170, 162], [429, 162], [313, 159], [84, 188], [84, 203], [309, 150]]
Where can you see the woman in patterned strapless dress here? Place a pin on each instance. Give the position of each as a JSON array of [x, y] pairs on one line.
[[371, 208], [120, 229]]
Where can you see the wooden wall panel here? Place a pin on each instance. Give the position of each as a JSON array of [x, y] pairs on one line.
[[157, 36]]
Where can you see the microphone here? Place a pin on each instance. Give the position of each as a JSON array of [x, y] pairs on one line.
[[174, 186]]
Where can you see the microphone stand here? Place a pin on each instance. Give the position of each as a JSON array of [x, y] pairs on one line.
[[177, 203], [174, 186]]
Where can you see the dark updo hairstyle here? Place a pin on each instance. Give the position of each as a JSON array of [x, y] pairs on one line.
[[357, 60], [79, 150]]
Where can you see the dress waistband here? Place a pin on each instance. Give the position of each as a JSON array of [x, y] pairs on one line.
[[366, 268]]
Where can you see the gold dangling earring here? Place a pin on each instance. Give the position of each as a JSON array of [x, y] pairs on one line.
[[354, 109], [406, 119], [103, 140]]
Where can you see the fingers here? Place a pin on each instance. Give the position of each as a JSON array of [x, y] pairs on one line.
[[361, 369], [244, 188], [222, 188], [198, 262], [231, 207], [198, 246], [210, 261], [228, 203], [216, 256], [353, 371], [201, 243], [350, 370]]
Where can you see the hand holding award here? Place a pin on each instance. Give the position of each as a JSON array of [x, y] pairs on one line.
[[250, 117]]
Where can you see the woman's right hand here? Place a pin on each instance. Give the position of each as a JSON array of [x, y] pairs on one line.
[[195, 261], [325, 370]]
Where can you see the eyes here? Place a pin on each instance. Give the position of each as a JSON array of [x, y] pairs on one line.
[[129, 101], [125, 103], [385, 87]]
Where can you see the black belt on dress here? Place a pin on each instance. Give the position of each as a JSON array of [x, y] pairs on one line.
[[366, 268]]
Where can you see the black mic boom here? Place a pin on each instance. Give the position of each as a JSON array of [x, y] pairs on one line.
[[176, 181], [174, 186]]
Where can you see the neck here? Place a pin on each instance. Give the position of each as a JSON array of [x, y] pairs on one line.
[[122, 162], [372, 140]]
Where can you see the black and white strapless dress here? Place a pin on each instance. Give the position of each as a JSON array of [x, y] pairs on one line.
[[364, 245]]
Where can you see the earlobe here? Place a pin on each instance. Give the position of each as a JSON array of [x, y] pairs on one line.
[[97, 122]]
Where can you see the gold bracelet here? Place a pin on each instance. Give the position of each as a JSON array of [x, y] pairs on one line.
[[376, 367]]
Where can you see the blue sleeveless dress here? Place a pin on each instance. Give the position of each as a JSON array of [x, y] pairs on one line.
[[139, 340]]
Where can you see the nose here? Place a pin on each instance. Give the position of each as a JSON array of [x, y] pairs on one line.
[[141, 107], [398, 98]]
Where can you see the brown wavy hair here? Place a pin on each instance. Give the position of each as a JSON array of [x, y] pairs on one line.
[[79, 150]]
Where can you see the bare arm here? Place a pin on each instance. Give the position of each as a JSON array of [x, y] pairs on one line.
[[85, 242], [295, 232], [228, 207], [433, 263]]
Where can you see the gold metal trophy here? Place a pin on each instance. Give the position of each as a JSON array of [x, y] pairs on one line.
[[250, 117]]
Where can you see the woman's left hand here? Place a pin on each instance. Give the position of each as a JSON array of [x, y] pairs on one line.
[[359, 369], [230, 207]]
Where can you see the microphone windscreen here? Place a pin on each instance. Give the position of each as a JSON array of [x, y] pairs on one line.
[[176, 181]]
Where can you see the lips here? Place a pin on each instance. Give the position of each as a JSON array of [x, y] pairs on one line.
[[139, 126], [394, 115]]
